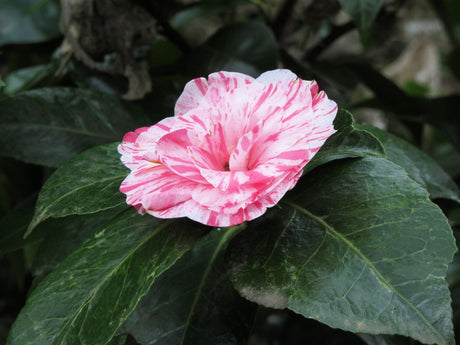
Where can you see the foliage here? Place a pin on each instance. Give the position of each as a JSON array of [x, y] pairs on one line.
[[361, 250]]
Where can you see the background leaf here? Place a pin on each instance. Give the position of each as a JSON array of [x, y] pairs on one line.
[[95, 289], [368, 252], [363, 12], [421, 167], [28, 21], [50, 125], [27, 78], [194, 303], [348, 142], [248, 48], [88, 183]]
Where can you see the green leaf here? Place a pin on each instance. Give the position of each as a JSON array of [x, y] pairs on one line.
[[202, 10], [421, 167], [348, 142], [49, 126], [363, 12], [27, 78], [194, 303], [28, 21], [387, 340], [248, 48], [94, 290], [67, 234], [359, 246], [14, 225], [86, 184]]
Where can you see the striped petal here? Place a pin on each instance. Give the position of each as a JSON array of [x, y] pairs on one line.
[[235, 146]]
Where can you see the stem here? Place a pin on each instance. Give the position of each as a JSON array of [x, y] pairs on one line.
[[336, 32], [167, 30], [279, 23]]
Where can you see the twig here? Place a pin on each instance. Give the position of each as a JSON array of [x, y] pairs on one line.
[[167, 29], [336, 32], [283, 17]]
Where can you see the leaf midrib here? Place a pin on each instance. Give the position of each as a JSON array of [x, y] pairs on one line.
[[366, 261]]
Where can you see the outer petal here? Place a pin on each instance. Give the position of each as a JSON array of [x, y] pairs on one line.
[[173, 152], [141, 144], [276, 76], [190, 98], [229, 81], [156, 188], [195, 89]]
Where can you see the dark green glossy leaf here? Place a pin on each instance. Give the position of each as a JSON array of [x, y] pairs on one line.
[[252, 42], [14, 225], [28, 21], [49, 126], [359, 246], [86, 184], [387, 340], [67, 234], [194, 303], [202, 10], [94, 290], [348, 142], [27, 78], [248, 48], [421, 167], [363, 12]]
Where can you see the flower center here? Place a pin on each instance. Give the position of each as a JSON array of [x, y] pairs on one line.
[[226, 166]]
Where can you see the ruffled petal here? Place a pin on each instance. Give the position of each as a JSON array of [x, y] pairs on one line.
[[275, 76], [141, 144], [156, 188], [173, 152], [190, 98]]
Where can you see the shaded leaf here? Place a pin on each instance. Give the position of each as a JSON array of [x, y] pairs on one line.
[[67, 234], [49, 126], [348, 142], [421, 167], [248, 48], [27, 78], [28, 21], [363, 12], [359, 247], [95, 289], [194, 303], [387, 340], [86, 184], [14, 225], [201, 10]]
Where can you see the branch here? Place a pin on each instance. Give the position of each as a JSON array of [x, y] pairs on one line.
[[336, 32], [283, 17], [167, 30]]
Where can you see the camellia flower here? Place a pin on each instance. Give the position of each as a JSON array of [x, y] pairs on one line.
[[235, 146]]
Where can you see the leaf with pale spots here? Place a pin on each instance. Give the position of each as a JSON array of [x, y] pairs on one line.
[[93, 291], [86, 184], [358, 246]]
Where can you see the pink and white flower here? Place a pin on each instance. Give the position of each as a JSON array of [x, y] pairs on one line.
[[235, 146]]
